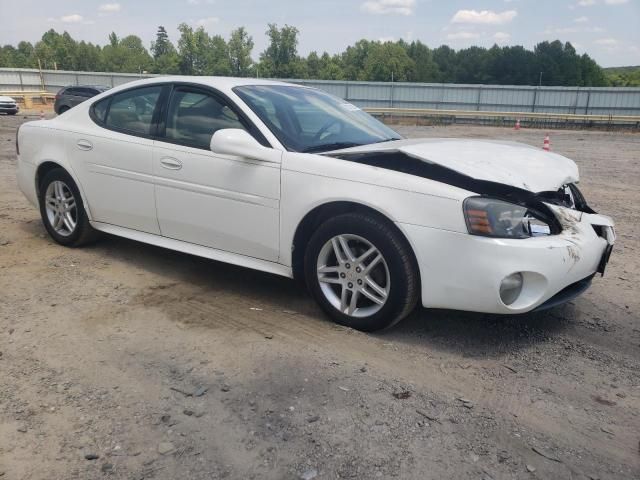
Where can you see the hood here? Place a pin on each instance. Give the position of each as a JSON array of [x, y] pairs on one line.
[[4, 98], [508, 163]]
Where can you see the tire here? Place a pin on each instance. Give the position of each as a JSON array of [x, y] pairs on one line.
[[73, 228], [392, 280], [12, 113], [62, 109]]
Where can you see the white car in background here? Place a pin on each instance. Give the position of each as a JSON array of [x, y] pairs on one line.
[[8, 105], [293, 181]]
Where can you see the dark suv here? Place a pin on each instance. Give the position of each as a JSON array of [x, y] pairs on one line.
[[69, 97]]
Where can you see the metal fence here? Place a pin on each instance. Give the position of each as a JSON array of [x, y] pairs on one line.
[[492, 98]]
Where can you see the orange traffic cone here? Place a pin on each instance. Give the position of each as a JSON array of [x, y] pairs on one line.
[[546, 144], [517, 127], [41, 114]]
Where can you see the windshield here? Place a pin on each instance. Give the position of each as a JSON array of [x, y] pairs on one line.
[[309, 120]]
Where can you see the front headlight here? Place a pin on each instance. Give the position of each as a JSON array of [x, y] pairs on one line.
[[490, 217]]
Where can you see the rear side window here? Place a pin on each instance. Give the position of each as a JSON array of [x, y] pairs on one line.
[[100, 109], [194, 116], [71, 91], [131, 111]]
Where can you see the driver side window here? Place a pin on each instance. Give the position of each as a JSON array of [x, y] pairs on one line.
[[194, 116]]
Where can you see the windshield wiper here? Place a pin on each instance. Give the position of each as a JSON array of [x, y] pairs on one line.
[[393, 139], [327, 147]]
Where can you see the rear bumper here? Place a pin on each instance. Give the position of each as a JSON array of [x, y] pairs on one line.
[[464, 272]]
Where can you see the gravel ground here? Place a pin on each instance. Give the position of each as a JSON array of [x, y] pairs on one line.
[[127, 361]]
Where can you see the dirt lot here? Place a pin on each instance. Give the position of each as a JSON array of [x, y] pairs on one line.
[[168, 366]]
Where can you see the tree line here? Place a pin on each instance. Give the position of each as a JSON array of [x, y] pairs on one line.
[[196, 52]]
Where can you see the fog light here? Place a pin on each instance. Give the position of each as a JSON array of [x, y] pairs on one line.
[[510, 288]]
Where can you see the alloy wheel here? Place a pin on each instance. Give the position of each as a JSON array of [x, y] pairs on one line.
[[61, 208], [353, 275]]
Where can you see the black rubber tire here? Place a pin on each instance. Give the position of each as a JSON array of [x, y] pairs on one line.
[[84, 233], [12, 113], [403, 270], [63, 109]]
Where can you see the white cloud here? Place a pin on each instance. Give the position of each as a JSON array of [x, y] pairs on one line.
[[462, 36], [501, 37], [73, 18], [109, 7], [387, 39], [384, 7], [484, 17], [607, 42], [616, 2], [203, 22], [586, 3], [581, 20], [200, 2]]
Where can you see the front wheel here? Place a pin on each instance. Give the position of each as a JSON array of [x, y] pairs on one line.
[[362, 271], [62, 211]]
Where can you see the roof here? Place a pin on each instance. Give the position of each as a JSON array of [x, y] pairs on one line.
[[223, 83]]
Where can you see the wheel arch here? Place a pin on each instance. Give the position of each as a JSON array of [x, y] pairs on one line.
[[315, 217], [45, 167]]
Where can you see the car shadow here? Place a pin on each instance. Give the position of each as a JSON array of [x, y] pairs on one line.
[[469, 334], [480, 335]]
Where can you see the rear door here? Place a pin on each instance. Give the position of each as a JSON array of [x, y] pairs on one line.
[[220, 201], [113, 158]]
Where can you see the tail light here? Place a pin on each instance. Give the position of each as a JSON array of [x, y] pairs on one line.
[[17, 144]]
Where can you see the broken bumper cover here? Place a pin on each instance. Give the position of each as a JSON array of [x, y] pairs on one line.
[[464, 272]]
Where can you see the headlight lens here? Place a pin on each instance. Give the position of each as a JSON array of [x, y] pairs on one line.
[[490, 217]]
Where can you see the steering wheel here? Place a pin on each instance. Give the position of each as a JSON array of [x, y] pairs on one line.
[[325, 127]]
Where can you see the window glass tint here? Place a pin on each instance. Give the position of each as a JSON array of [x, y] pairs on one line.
[[71, 91], [193, 117], [133, 110], [309, 120], [100, 109]]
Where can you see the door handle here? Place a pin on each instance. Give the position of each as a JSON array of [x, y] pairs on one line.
[[84, 144], [171, 163]]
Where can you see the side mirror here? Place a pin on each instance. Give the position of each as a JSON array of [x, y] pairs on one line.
[[239, 143]]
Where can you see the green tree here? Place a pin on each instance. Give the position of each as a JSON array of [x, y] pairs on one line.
[[240, 47], [281, 55], [201, 54], [354, 59], [426, 69], [472, 65], [388, 61], [165, 56], [126, 55], [445, 58]]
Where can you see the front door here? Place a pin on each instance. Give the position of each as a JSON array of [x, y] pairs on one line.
[[220, 201]]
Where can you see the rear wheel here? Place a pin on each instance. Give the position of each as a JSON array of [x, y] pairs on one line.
[[62, 210], [361, 271], [62, 109]]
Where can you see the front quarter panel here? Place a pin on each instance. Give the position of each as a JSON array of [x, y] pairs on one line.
[[309, 181]]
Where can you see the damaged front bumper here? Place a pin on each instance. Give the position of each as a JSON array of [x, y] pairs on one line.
[[464, 272]]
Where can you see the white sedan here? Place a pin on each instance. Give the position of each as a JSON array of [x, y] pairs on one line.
[[293, 181]]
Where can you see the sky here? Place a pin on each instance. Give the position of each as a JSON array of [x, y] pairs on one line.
[[608, 30]]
